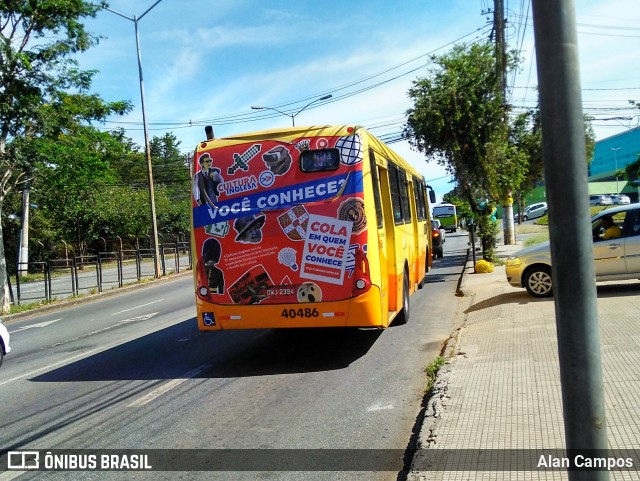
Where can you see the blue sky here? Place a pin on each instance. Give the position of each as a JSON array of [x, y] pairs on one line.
[[208, 62]]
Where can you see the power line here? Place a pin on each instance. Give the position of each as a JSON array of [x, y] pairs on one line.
[[252, 116]]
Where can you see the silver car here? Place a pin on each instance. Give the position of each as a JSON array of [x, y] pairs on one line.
[[600, 199], [4, 342], [620, 199], [615, 258], [533, 211]]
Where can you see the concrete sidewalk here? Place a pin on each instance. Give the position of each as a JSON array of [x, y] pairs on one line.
[[499, 393]]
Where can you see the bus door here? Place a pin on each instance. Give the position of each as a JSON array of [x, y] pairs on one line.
[[387, 177], [413, 199], [384, 238]]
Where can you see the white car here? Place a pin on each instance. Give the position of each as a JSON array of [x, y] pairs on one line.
[[620, 199], [443, 232], [615, 258], [4, 342], [600, 199]]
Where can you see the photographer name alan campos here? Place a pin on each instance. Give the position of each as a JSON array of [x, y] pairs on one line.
[[580, 461]]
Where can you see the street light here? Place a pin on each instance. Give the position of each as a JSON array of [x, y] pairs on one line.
[[293, 116], [615, 150], [152, 200]]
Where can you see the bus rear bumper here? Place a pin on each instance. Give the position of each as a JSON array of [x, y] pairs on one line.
[[361, 311]]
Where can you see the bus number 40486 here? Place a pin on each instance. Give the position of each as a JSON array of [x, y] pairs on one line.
[[306, 312]]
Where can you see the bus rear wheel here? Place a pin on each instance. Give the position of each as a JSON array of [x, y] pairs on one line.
[[403, 316]]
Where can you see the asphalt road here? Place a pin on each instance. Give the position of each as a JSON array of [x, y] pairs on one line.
[[133, 372]]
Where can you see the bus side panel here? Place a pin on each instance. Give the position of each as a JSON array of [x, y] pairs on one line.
[[423, 230], [418, 264], [376, 253]]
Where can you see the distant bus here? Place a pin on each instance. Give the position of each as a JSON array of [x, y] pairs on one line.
[[447, 215], [306, 227]]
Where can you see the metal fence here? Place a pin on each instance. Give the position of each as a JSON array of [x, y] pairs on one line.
[[62, 278]]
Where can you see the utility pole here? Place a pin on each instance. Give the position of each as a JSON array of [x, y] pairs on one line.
[[147, 149], [573, 271], [501, 49], [615, 151], [23, 257], [508, 226]]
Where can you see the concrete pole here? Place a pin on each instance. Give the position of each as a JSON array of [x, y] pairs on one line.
[[23, 258], [152, 200], [615, 151], [573, 270], [147, 150], [508, 226]]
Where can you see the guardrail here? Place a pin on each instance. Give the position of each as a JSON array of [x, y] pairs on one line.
[[61, 278]]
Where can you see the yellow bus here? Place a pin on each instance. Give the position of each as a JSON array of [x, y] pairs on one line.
[[306, 227]]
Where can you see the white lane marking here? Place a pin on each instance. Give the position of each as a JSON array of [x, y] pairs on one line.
[[47, 368], [144, 317], [85, 353], [147, 398], [34, 326], [9, 475], [379, 407], [137, 307]]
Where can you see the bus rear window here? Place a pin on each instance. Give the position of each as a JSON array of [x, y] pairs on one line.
[[319, 160]]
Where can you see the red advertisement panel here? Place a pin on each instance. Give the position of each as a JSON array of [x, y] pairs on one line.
[[279, 222]]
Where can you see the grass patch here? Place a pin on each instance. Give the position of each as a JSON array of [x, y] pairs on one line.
[[431, 371], [539, 231], [531, 228], [15, 308], [536, 239]]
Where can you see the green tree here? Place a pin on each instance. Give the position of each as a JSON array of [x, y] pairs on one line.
[[462, 205], [124, 211], [169, 167], [632, 173], [69, 165], [173, 179], [459, 119], [38, 41], [173, 212], [526, 136], [172, 183]]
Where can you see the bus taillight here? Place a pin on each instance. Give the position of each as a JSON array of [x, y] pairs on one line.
[[361, 276], [203, 287]]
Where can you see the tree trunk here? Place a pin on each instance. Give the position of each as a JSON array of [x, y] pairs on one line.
[[5, 295]]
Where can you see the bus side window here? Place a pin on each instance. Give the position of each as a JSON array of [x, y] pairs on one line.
[[376, 188], [404, 196], [395, 194], [420, 199]]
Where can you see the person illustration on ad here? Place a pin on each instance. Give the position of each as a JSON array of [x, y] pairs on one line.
[[211, 252], [206, 182]]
